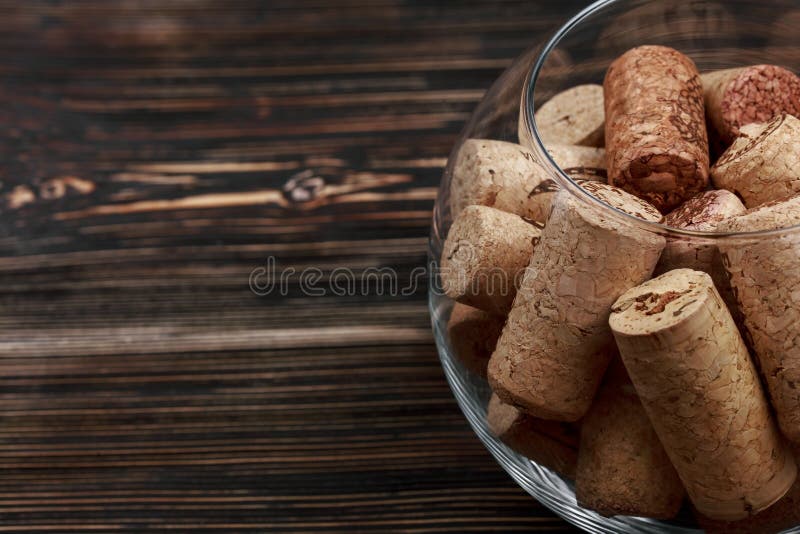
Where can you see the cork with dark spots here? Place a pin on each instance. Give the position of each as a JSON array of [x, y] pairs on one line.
[[754, 94], [656, 139], [702, 394]]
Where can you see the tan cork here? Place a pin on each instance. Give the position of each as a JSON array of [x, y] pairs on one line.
[[622, 467], [573, 117], [484, 256], [656, 139], [781, 516], [553, 351], [509, 177], [552, 444], [473, 336], [745, 95], [577, 162], [765, 279], [702, 213], [702, 393], [763, 164]]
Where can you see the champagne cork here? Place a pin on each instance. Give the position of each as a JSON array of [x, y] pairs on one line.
[[553, 351], [484, 255], [573, 117], [656, 139], [549, 443], [763, 165], [473, 336], [622, 467], [702, 393], [758, 93], [509, 177], [765, 278], [702, 213]]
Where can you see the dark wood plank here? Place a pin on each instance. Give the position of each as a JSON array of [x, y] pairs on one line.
[[154, 154]]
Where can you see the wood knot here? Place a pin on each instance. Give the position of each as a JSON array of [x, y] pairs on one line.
[[303, 186]]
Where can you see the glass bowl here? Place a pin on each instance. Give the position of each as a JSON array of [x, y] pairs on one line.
[[715, 35]]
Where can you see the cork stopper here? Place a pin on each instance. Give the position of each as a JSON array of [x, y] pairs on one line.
[[473, 336], [764, 277], [553, 350], [549, 443], [702, 394], [656, 139], [622, 467], [484, 255], [763, 165], [704, 211], [754, 94], [577, 162], [573, 117]]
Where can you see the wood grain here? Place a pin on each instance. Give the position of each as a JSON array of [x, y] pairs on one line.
[[154, 154]]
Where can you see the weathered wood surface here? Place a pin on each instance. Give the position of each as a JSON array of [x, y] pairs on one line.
[[153, 154]]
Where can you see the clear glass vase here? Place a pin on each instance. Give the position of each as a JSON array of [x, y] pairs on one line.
[[716, 35]]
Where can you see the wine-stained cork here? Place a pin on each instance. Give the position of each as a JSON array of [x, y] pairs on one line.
[[553, 350], [577, 162], [509, 177], [573, 117], [622, 467], [702, 393], [484, 255], [656, 139], [765, 276], [473, 336], [702, 213], [759, 93], [552, 444], [764, 164]]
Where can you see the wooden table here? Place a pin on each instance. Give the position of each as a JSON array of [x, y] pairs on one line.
[[154, 155]]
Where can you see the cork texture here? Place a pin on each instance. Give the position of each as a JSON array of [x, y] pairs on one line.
[[577, 162], [575, 116], [622, 467], [473, 336], [765, 278], [484, 256], [551, 444], [702, 394], [553, 351], [656, 139], [764, 164], [754, 94]]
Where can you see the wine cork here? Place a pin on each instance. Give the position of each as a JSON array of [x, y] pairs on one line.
[[549, 443], [763, 165], [702, 393], [701, 213], [553, 351], [509, 177], [781, 516], [656, 139], [765, 278], [740, 96], [577, 162], [484, 255], [473, 336], [573, 117], [622, 467]]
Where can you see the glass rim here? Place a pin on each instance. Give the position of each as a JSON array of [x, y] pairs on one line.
[[571, 185]]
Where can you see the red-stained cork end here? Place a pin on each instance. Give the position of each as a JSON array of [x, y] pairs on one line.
[[737, 97], [656, 138]]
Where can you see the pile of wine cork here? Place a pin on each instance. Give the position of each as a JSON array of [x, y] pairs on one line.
[[652, 367]]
